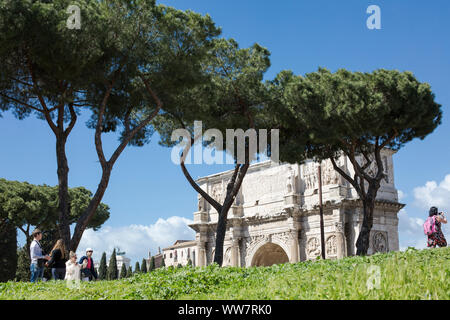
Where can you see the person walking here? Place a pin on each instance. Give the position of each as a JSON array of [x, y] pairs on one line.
[[58, 261], [37, 257], [73, 268], [89, 273], [436, 238]]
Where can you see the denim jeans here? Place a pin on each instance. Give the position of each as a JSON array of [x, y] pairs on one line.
[[58, 273], [36, 273]]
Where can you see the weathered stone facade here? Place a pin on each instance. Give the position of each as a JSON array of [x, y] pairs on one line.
[[180, 253], [275, 217]]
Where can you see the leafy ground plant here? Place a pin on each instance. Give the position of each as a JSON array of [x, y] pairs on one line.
[[412, 274]]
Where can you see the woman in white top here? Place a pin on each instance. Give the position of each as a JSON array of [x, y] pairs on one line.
[[73, 267]]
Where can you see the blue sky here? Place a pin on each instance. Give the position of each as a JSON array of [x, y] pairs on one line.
[[148, 193]]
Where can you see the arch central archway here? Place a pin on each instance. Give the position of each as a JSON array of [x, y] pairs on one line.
[[269, 254]]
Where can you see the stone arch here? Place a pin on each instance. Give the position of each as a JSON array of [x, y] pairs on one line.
[[226, 257], [257, 242], [267, 254]]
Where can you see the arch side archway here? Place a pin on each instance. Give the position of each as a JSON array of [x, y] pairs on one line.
[[267, 254]]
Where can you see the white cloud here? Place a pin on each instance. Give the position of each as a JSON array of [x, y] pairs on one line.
[[409, 225], [410, 231], [433, 194], [418, 244], [136, 240], [401, 195]]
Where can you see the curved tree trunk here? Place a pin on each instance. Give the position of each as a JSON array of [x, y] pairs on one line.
[[232, 189], [368, 198], [363, 241], [90, 210]]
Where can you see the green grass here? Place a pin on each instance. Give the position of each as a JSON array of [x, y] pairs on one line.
[[414, 274]]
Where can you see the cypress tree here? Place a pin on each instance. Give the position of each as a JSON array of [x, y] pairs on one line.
[[8, 249], [129, 272], [189, 263], [102, 267], [137, 269], [144, 266], [112, 268], [151, 267], [163, 263], [123, 271]]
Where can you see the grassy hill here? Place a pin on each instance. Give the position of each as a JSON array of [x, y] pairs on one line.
[[414, 274]]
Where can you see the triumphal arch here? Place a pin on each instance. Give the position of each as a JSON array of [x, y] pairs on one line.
[[275, 217]]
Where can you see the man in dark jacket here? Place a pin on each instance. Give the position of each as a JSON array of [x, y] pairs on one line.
[[89, 271]]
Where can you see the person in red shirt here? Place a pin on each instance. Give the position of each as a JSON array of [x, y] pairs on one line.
[[89, 272]]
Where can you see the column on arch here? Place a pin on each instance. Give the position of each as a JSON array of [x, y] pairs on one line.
[[235, 252]]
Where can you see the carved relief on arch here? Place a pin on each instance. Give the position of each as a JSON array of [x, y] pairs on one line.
[[217, 192], [291, 186], [309, 175], [313, 249], [254, 242], [282, 237], [379, 242], [329, 175], [331, 246]]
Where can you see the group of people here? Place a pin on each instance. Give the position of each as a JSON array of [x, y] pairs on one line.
[[63, 267], [73, 269]]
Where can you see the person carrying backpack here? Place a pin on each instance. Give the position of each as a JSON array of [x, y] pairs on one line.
[[432, 228], [89, 273]]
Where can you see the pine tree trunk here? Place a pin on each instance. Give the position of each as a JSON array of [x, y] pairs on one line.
[[27, 246], [63, 190], [223, 214], [90, 210], [363, 242], [220, 236]]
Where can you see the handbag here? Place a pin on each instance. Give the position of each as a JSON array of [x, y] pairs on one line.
[[40, 262]]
